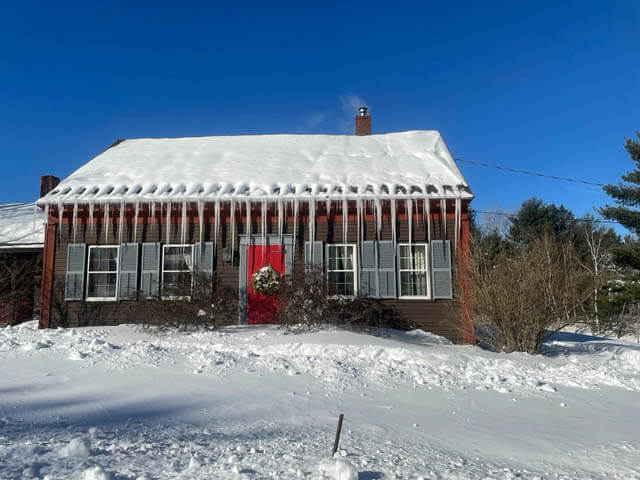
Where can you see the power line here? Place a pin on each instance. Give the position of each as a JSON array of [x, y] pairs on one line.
[[529, 172]]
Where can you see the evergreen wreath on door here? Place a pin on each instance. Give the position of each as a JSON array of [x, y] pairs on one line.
[[265, 281]]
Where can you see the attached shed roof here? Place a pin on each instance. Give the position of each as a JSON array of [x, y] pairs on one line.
[[21, 226], [403, 164]]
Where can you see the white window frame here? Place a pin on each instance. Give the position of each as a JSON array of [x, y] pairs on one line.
[[162, 270], [89, 272], [355, 266], [426, 270]]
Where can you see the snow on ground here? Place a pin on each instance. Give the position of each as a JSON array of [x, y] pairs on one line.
[[256, 403]]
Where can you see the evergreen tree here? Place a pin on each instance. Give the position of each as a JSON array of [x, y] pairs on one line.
[[536, 217], [627, 212]]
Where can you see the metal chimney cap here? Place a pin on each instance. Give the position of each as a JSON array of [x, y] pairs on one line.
[[362, 111]]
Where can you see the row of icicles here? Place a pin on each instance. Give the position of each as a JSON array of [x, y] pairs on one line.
[[283, 207]]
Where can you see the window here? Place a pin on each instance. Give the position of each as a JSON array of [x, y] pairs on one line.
[[341, 268], [413, 269], [177, 265], [102, 273]]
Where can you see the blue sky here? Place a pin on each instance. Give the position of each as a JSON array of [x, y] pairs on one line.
[[549, 86]]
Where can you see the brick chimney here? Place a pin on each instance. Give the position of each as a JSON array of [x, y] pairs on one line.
[[48, 183], [363, 122]]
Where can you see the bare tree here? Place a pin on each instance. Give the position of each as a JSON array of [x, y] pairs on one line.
[[521, 295], [597, 243], [18, 272]]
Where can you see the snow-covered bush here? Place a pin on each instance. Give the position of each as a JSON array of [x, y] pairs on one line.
[[312, 304], [199, 302]]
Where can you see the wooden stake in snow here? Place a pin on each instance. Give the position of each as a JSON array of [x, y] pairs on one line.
[[337, 440]]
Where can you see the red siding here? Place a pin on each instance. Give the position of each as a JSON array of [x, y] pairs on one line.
[[436, 316]]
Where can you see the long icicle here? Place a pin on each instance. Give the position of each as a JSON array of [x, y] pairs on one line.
[[458, 217], [135, 221], [183, 224], [296, 207], [409, 212], [168, 222], [74, 221], [427, 207], [263, 224], [393, 220], [46, 213], [106, 222], [232, 221], [443, 215], [280, 220], [60, 214], [312, 220], [91, 206], [216, 225], [247, 232], [345, 219], [120, 222], [359, 219], [201, 219], [327, 206], [378, 205]]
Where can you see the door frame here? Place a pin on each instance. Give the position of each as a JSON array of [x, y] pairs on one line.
[[259, 240]]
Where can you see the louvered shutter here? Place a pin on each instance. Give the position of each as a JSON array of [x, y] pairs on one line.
[[203, 262], [128, 281], [150, 269], [313, 257], [441, 269], [386, 269], [203, 257], [368, 268], [74, 282]]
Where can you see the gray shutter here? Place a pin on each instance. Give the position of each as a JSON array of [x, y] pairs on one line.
[[368, 268], [316, 251], [203, 261], [386, 269], [441, 269], [150, 274], [203, 257], [313, 256], [74, 282], [128, 281]]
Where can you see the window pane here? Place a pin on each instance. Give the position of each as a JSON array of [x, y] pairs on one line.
[[413, 283], [103, 259], [348, 257], [340, 258], [177, 258], [412, 257], [176, 283], [342, 282], [333, 257], [102, 285]]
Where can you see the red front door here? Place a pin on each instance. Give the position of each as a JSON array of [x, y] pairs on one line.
[[262, 308]]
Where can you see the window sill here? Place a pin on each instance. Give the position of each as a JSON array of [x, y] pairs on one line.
[[186, 298], [414, 297], [101, 299]]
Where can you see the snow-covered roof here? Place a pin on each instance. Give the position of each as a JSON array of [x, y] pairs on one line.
[[21, 226], [403, 164]]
